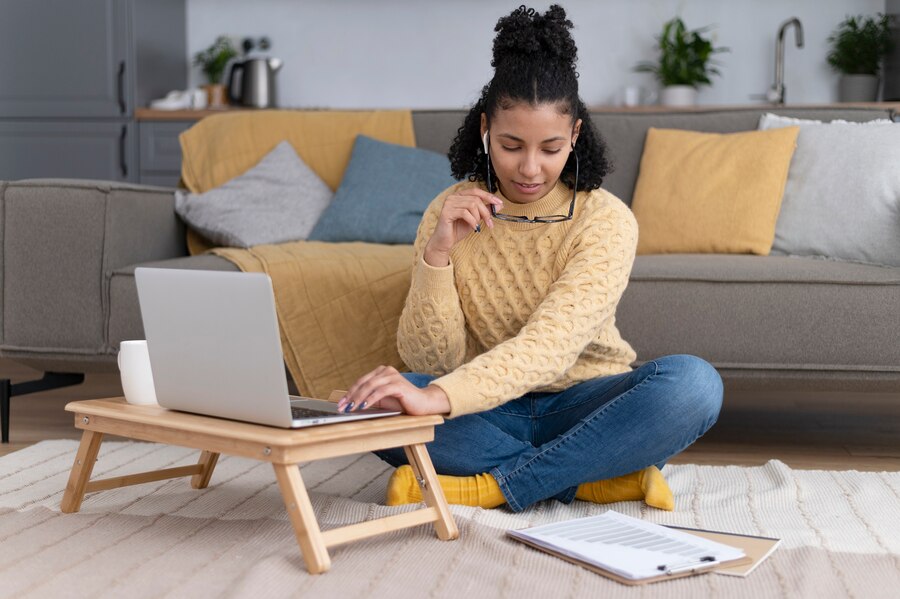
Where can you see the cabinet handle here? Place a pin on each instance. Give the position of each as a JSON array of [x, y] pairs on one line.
[[123, 163], [121, 83]]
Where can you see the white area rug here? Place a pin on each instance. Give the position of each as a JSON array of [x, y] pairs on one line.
[[840, 531]]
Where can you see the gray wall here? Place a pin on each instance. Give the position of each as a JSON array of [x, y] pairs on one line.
[[436, 53], [892, 62]]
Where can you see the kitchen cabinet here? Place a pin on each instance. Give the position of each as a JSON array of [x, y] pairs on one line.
[[71, 75], [68, 149], [64, 59], [160, 151]]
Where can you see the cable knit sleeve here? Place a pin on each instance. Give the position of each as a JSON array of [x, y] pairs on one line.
[[577, 306], [431, 336]]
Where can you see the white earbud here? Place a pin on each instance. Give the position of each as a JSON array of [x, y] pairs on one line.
[[484, 141]]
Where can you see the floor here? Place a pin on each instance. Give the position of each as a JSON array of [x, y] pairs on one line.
[[827, 431]]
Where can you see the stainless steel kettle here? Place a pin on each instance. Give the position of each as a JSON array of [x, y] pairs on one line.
[[257, 82]]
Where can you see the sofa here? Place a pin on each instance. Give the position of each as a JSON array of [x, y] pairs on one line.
[[70, 247]]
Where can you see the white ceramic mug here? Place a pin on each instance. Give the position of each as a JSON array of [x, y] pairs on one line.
[[137, 378], [198, 99], [632, 95]]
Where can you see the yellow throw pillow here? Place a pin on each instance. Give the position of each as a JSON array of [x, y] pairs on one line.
[[711, 192]]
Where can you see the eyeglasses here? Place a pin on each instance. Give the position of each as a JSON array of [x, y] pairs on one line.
[[553, 218]]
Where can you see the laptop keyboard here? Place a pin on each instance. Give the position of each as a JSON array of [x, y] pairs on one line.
[[297, 413]]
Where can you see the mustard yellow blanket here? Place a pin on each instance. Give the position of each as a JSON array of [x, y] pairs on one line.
[[338, 306]]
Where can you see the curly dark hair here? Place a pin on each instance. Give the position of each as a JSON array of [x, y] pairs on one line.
[[534, 63]]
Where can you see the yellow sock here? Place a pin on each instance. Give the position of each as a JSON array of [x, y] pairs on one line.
[[480, 490], [647, 484]]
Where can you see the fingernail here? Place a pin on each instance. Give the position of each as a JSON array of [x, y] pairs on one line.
[[478, 228], [349, 406], [363, 405]]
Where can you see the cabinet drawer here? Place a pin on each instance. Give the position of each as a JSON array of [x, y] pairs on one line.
[[67, 149], [160, 150]]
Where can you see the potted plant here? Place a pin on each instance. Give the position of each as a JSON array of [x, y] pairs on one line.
[[213, 61], [684, 63], [857, 48]]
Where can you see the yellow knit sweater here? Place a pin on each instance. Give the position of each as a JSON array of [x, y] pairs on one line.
[[521, 307]]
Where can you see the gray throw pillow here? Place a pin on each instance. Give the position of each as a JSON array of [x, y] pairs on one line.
[[280, 199], [842, 197]]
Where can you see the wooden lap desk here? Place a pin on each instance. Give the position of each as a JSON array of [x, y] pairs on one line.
[[283, 448]]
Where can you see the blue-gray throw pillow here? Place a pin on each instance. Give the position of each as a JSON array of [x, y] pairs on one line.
[[383, 194]]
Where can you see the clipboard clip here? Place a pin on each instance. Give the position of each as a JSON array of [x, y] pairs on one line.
[[701, 564]]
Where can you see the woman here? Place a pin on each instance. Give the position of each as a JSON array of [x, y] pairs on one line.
[[510, 320]]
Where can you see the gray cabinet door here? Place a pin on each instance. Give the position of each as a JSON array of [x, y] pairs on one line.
[[160, 151], [78, 150], [60, 58], [160, 148]]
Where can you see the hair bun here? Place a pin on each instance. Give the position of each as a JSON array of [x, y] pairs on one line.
[[526, 34]]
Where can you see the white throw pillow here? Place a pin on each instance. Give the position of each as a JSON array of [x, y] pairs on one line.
[[842, 197], [280, 199]]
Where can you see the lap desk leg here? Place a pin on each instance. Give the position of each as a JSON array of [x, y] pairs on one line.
[[284, 449]]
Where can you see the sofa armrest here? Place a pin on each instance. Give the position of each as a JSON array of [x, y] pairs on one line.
[[59, 240]]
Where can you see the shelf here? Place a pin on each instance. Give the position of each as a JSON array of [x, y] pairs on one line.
[[892, 106], [150, 114]]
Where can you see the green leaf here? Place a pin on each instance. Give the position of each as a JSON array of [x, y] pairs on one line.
[[214, 59], [684, 56], [859, 44]]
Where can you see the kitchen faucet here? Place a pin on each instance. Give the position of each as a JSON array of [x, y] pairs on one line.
[[775, 94]]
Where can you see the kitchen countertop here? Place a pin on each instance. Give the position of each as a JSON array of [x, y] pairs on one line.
[[893, 106], [150, 114]]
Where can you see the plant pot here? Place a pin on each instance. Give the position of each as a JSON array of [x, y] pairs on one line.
[[858, 88], [215, 96], [678, 95]]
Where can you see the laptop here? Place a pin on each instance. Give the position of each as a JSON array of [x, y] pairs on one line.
[[215, 349]]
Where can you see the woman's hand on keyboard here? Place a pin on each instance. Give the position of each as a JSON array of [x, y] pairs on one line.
[[386, 388]]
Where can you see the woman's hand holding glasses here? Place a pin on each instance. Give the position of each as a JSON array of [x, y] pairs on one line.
[[462, 213]]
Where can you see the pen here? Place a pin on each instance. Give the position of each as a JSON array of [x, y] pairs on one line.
[[704, 562]]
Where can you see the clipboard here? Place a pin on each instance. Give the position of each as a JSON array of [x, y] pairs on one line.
[[757, 548], [603, 543], [743, 561]]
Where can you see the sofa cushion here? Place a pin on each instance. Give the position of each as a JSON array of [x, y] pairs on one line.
[[279, 199], [123, 320], [384, 193], [842, 198], [711, 192], [436, 129], [776, 312], [58, 237], [625, 132]]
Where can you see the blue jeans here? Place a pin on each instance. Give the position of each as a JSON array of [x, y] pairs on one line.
[[543, 445]]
